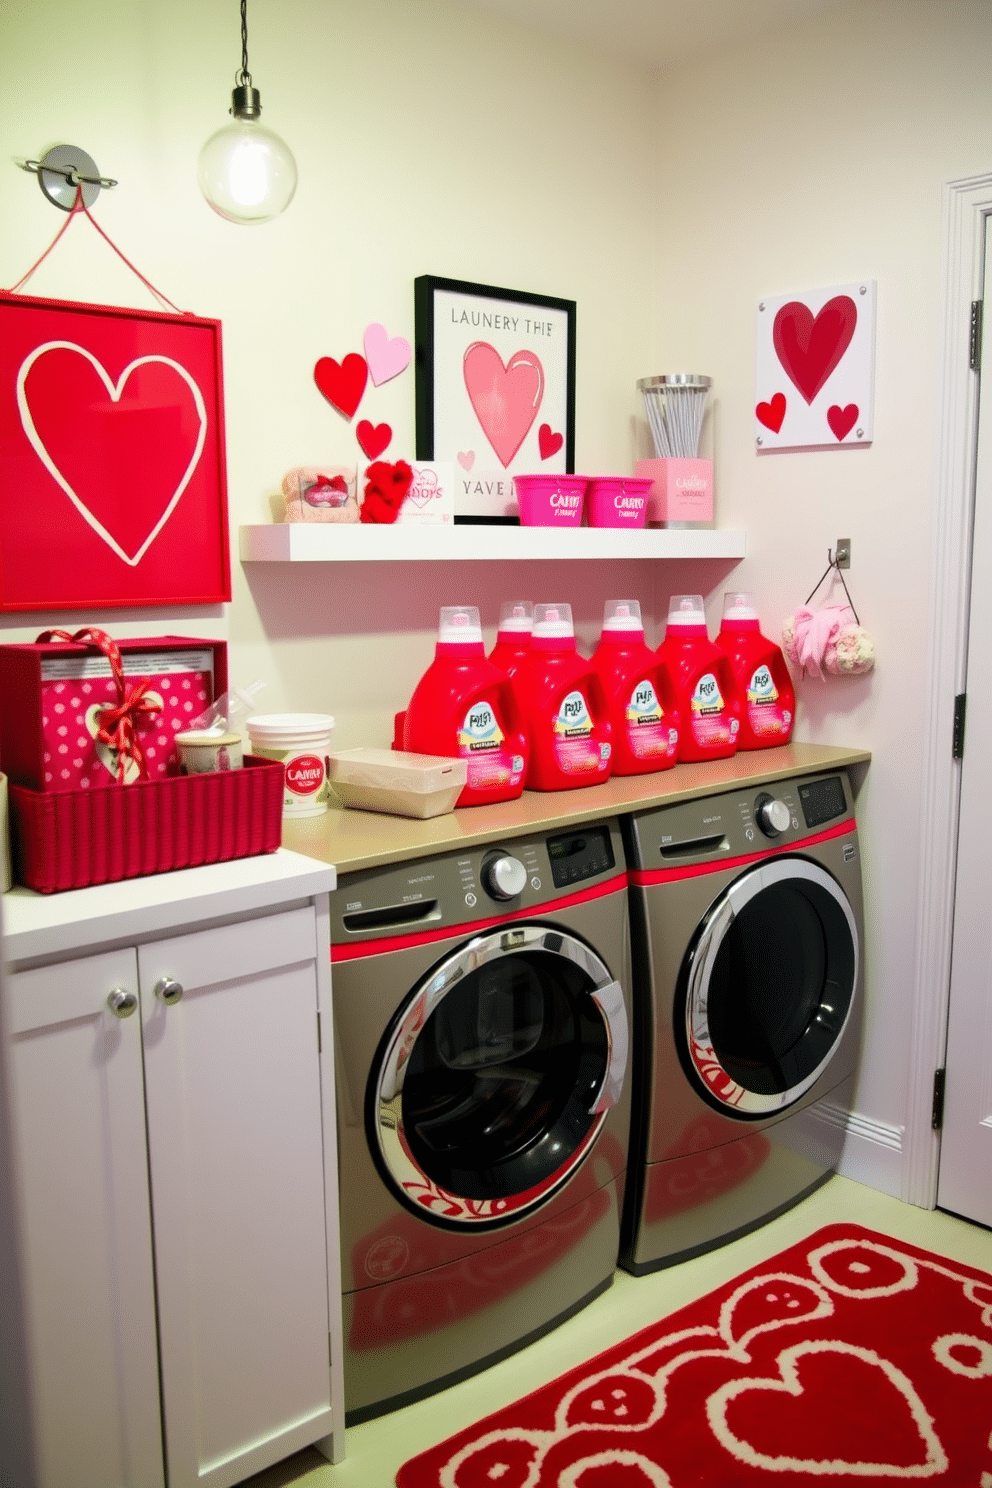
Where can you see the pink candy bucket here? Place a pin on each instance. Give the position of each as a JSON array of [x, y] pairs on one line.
[[618, 501], [550, 500]]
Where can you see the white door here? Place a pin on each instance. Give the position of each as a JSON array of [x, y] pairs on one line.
[[966, 1141], [232, 1082]]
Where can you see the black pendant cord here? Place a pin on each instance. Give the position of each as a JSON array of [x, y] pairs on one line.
[[244, 76], [833, 564]]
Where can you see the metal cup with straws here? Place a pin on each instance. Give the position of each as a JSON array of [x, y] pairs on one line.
[[675, 405]]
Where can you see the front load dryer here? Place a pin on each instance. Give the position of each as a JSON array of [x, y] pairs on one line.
[[747, 946], [481, 1013]]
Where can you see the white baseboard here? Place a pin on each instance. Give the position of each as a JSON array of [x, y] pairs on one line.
[[873, 1150]]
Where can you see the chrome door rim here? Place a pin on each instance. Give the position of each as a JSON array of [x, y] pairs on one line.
[[717, 1082], [419, 1189]]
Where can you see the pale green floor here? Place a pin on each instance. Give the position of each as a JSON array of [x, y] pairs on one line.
[[376, 1450]]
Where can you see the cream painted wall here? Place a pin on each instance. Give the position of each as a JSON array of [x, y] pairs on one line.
[[819, 158], [431, 138]]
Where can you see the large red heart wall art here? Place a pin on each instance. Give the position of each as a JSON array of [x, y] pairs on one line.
[[112, 470], [815, 369]]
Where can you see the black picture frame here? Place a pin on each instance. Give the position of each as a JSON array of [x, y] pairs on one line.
[[435, 418]]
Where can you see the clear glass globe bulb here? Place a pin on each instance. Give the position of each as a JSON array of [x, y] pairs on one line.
[[246, 172]]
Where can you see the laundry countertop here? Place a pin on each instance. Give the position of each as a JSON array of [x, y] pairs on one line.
[[353, 839]]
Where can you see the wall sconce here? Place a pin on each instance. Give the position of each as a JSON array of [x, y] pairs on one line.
[[246, 172]]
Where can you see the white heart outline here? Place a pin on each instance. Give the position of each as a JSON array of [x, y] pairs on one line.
[[114, 390], [789, 1383]]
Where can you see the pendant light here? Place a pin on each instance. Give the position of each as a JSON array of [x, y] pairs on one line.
[[246, 172]]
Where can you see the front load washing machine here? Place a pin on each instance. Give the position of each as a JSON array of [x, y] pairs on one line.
[[481, 1014], [747, 947]]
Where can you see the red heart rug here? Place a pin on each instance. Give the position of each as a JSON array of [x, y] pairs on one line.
[[851, 1357]]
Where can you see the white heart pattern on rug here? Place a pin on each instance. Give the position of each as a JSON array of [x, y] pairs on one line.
[[114, 391], [933, 1461]]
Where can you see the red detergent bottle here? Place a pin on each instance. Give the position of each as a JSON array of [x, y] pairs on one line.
[[769, 698], [565, 707], [516, 620], [708, 697], [641, 696], [465, 708]]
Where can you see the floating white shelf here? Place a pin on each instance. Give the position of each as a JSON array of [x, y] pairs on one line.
[[331, 542]]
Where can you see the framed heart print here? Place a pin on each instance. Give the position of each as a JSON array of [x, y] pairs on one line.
[[816, 369], [112, 467], [495, 389]]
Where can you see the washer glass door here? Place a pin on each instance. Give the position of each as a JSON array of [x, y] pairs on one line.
[[769, 984], [494, 1080]]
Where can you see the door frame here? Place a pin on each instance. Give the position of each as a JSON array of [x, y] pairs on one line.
[[967, 205]]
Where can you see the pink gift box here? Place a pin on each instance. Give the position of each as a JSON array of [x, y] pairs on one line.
[[681, 490], [51, 694]]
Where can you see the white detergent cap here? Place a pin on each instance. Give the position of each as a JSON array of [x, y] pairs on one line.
[[738, 606], [517, 615], [622, 614], [686, 609], [460, 623], [553, 620]]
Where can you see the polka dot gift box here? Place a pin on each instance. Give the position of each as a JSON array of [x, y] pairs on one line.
[[87, 711]]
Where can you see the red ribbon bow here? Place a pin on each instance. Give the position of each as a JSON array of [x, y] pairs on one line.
[[118, 722]]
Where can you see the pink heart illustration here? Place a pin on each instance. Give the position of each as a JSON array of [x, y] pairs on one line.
[[387, 357], [466, 459], [505, 396]]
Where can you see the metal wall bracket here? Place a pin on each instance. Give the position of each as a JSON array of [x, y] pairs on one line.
[[64, 168], [842, 553]]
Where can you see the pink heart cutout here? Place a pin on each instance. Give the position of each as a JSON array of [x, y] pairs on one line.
[[504, 396], [466, 459], [842, 420], [387, 357]]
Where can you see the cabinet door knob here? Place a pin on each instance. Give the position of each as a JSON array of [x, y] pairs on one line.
[[168, 990], [122, 1003]]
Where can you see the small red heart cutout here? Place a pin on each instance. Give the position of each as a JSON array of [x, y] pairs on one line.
[[548, 442], [373, 438], [842, 420], [342, 383], [771, 414]]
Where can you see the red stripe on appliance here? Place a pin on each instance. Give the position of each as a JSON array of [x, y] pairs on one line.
[[473, 927], [645, 877]]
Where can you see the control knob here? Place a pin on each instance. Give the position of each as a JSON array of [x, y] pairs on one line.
[[772, 815], [503, 877]]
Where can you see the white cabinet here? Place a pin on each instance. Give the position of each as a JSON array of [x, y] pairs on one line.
[[191, 1130]]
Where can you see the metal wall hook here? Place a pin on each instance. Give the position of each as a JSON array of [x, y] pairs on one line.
[[64, 170], [836, 560]]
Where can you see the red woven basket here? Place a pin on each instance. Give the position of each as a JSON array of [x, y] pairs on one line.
[[71, 839]]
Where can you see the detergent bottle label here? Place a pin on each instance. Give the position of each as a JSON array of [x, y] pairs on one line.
[[648, 735], [482, 744], [576, 751], [711, 725], [766, 715]]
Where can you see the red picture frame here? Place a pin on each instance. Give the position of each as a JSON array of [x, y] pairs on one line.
[[113, 484]]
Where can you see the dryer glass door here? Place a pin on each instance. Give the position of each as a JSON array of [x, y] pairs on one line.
[[497, 1075], [769, 983]]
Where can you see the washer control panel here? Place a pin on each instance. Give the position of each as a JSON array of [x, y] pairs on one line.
[[477, 884], [738, 823]]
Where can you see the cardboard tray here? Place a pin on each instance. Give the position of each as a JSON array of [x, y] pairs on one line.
[[400, 784], [71, 839]]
